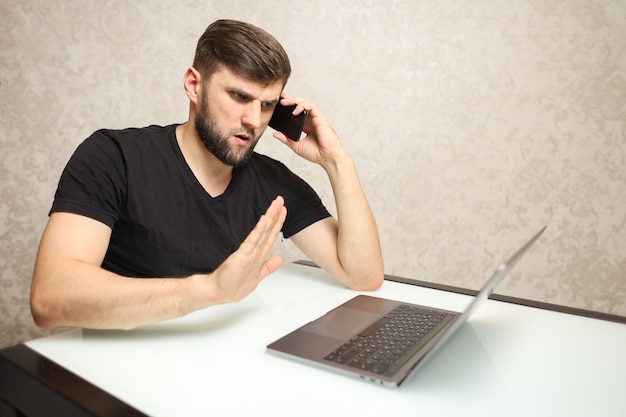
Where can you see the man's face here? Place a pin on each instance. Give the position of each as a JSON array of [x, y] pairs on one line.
[[233, 114]]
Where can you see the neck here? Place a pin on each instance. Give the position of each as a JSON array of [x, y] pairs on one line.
[[213, 175]]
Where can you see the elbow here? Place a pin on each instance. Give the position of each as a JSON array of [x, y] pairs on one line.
[[376, 277], [43, 311], [371, 282], [368, 279], [375, 282], [40, 317]]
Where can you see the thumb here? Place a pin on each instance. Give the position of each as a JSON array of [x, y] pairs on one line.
[[270, 266]]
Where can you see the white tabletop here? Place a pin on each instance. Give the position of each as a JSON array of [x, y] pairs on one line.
[[507, 360]]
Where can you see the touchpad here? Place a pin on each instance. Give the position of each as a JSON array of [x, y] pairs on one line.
[[341, 323]]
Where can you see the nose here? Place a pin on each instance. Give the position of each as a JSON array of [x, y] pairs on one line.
[[252, 115]]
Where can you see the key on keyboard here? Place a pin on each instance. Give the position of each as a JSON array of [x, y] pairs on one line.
[[389, 343]]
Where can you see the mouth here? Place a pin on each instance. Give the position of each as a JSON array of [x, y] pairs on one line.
[[243, 138]]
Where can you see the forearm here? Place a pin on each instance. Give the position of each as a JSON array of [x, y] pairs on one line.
[[358, 244], [79, 294], [70, 288]]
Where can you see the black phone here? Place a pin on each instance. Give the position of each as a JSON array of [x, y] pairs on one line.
[[284, 121]]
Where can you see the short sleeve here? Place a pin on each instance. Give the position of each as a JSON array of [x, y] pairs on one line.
[[93, 183], [304, 207]]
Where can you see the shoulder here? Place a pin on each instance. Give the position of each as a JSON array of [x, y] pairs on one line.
[[271, 172], [118, 142], [269, 177], [109, 152], [276, 178], [263, 164], [264, 160], [132, 134]]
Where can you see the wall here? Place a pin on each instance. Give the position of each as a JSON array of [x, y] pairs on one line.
[[472, 124]]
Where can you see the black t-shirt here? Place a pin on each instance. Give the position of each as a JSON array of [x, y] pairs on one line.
[[164, 224]]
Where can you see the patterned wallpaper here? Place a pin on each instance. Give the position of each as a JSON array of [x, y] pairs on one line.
[[472, 123]]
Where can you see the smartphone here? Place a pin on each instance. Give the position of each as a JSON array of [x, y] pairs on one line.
[[284, 121]]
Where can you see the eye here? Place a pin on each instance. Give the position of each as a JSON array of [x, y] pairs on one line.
[[239, 96], [268, 105]]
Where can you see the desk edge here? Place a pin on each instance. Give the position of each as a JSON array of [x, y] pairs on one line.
[[499, 297], [52, 389]]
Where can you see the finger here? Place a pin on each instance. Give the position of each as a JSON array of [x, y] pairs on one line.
[[267, 223], [273, 213], [301, 104], [277, 226], [274, 226], [281, 137]]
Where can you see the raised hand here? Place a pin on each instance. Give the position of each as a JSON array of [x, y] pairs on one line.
[[244, 269]]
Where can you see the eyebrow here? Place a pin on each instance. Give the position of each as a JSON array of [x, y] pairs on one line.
[[248, 96]]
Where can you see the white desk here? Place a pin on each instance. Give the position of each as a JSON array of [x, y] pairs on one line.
[[507, 360]]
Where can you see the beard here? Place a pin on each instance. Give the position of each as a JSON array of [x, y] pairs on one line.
[[217, 143]]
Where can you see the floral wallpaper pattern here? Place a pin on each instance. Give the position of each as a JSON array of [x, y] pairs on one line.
[[472, 124]]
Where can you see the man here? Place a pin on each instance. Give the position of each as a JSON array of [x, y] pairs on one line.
[[155, 223]]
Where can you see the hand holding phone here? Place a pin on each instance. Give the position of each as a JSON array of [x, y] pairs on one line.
[[284, 121]]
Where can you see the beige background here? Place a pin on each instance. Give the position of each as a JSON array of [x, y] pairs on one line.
[[472, 123]]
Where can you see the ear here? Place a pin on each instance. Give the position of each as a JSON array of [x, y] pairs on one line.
[[192, 82]]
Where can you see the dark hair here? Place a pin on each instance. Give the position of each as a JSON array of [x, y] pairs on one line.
[[244, 48]]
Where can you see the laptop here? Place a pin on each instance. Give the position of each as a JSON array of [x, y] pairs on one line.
[[382, 340]]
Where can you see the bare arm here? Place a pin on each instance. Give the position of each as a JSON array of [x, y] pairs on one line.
[[70, 288], [347, 247]]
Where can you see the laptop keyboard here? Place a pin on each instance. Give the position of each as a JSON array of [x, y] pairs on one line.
[[391, 341]]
